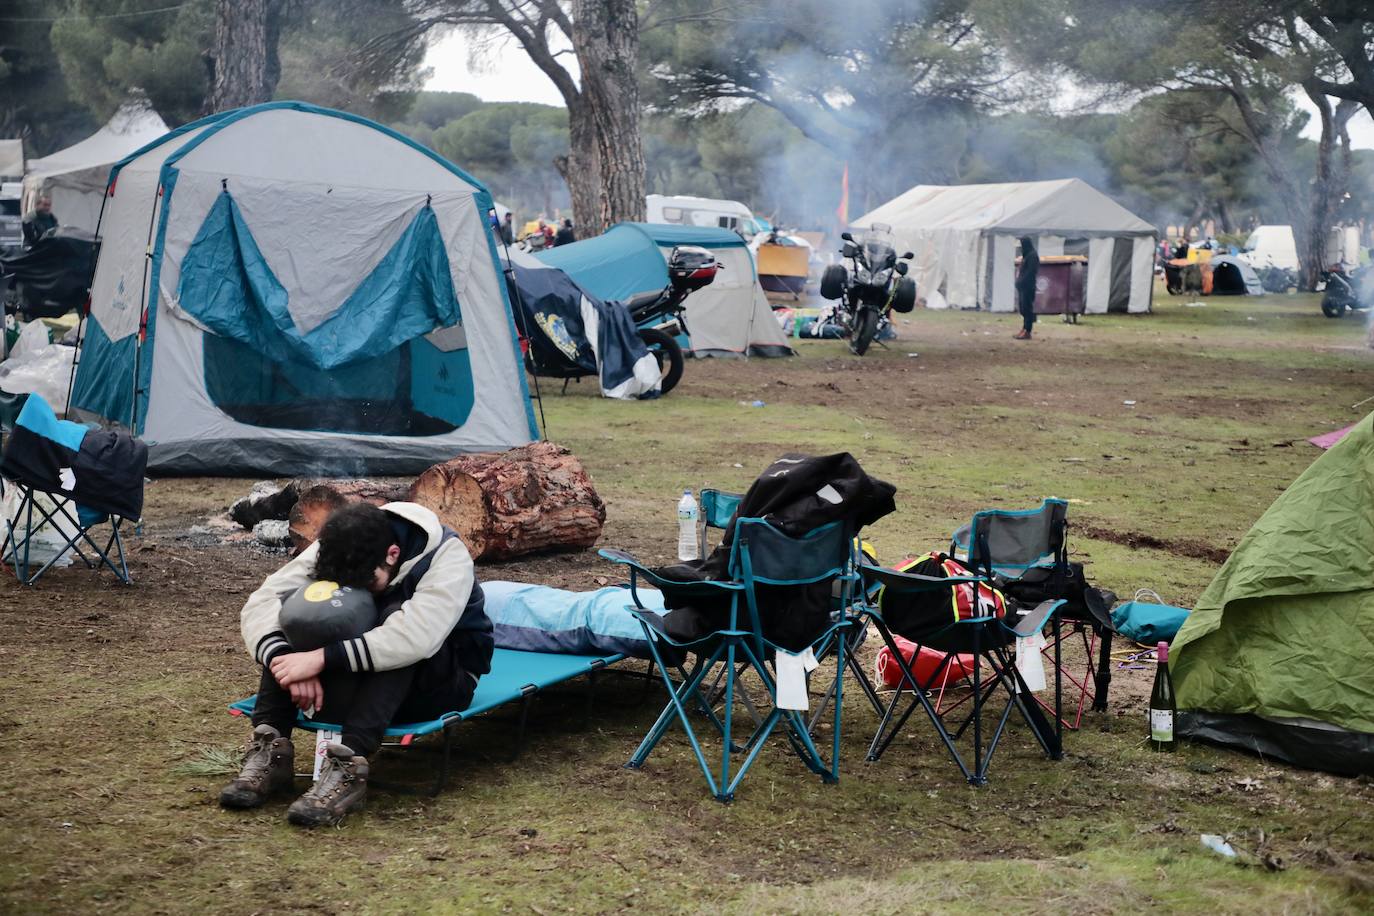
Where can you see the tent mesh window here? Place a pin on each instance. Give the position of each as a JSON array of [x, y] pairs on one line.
[[382, 396]]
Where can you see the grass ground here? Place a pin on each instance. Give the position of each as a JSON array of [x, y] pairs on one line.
[[1169, 433]]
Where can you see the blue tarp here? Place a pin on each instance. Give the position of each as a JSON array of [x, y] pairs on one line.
[[558, 327], [626, 260], [227, 285], [537, 618]]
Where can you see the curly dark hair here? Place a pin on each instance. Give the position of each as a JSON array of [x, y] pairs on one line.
[[353, 543]]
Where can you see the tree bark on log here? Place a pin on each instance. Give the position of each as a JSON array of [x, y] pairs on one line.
[[506, 504]]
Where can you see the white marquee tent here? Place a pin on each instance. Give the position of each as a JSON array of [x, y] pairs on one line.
[[76, 177], [965, 241]]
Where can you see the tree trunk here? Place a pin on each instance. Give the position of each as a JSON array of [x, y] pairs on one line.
[[581, 168], [507, 504], [606, 40], [243, 58], [1228, 225], [1327, 186]]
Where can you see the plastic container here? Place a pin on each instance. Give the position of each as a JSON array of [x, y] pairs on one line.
[[687, 514]]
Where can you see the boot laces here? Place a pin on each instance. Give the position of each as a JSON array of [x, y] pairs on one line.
[[335, 776]]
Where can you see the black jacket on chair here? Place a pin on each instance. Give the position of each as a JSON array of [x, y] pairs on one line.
[[796, 494]]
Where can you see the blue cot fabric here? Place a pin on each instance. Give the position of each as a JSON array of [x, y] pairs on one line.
[[227, 285], [537, 618], [513, 674]]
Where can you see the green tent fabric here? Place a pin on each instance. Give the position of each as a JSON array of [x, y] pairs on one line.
[[1286, 629]]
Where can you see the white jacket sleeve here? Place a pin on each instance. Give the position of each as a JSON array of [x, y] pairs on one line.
[[419, 627], [259, 621]]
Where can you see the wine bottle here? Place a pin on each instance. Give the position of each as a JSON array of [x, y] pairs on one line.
[[1162, 705]]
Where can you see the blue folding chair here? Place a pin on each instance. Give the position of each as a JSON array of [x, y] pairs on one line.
[[760, 555], [1026, 550]]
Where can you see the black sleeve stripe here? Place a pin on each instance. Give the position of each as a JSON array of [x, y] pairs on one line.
[[371, 665], [269, 644]]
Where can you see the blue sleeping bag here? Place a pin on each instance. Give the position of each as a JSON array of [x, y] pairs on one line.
[[537, 618]]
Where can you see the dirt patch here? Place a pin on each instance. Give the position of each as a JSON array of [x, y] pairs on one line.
[[1182, 547]]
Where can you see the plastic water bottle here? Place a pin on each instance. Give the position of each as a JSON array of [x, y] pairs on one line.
[[687, 527]]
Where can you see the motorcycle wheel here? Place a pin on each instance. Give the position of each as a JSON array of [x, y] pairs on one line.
[[833, 281], [669, 355], [1332, 308], [865, 329]]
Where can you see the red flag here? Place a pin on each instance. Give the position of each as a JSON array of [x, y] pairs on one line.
[[842, 211]]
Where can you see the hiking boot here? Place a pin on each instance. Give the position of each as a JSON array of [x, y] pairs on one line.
[[268, 769], [342, 786], [1022, 334]]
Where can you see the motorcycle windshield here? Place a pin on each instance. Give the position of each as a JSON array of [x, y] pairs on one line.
[[879, 247]]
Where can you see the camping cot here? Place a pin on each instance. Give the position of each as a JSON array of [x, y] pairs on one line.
[[285, 290]]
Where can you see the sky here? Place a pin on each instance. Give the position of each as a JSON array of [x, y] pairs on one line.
[[502, 72]]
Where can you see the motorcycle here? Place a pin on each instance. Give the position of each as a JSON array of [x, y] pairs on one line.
[[658, 315], [1347, 290], [866, 296]]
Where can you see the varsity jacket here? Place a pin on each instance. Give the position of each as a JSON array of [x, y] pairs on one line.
[[433, 599]]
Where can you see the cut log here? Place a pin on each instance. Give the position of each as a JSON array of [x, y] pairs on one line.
[[507, 504]]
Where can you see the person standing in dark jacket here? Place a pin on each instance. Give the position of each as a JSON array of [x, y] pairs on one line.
[[1025, 287], [565, 234], [40, 222]]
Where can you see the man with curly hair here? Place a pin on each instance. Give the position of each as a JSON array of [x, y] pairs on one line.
[[431, 641]]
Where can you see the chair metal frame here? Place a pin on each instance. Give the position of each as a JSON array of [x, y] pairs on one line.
[[19, 540], [741, 646]]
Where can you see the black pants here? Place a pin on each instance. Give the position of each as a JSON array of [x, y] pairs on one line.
[[365, 704], [1025, 304]]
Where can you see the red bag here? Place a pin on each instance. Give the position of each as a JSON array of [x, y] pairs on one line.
[[924, 666]]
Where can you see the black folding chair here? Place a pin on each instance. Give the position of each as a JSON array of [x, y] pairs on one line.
[[69, 480], [988, 638]]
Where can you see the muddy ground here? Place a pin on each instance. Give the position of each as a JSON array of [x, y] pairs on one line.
[[1169, 434]]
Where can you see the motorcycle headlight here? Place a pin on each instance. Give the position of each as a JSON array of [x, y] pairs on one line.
[[863, 276]]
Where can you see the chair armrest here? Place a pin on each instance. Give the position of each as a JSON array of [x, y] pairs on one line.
[[1034, 620], [703, 588]]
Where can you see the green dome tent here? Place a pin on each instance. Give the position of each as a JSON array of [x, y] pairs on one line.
[[1278, 656]]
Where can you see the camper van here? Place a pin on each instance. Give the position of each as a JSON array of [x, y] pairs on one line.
[[702, 211], [1271, 246]]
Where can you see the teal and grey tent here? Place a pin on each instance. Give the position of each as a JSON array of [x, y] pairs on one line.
[[286, 289], [731, 317], [1278, 655]]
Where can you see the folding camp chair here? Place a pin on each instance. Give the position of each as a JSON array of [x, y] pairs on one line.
[[760, 555], [989, 639], [69, 479], [1029, 548]]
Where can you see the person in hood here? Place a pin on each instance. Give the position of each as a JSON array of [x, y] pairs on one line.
[[1025, 287], [430, 643], [565, 235], [39, 222]]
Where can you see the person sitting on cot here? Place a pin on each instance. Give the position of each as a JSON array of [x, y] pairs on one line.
[[421, 657]]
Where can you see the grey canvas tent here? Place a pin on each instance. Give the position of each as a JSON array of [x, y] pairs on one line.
[[964, 238], [76, 177]]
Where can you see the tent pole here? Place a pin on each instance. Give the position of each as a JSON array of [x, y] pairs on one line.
[[143, 316], [493, 221], [82, 313]]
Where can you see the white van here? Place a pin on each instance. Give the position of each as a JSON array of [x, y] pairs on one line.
[[1271, 246], [701, 211]]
